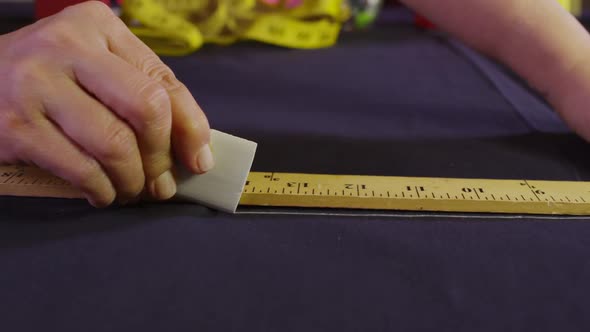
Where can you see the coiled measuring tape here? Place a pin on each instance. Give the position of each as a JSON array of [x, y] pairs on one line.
[[363, 192], [179, 27]]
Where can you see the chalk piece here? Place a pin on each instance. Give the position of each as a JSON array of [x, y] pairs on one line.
[[221, 188]]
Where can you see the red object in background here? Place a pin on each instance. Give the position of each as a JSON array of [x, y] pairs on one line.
[[44, 8], [423, 22]]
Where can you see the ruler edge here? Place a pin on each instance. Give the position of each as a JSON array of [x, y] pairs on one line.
[[64, 191]]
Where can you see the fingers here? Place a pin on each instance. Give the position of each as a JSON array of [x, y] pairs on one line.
[[143, 104], [190, 131], [190, 128], [43, 144], [100, 133], [113, 112]]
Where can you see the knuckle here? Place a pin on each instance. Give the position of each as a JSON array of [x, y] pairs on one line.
[[56, 33], [64, 30], [155, 111], [119, 143], [158, 164], [92, 8], [157, 70], [23, 74]]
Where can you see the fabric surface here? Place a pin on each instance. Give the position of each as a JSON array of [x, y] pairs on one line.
[[390, 102]]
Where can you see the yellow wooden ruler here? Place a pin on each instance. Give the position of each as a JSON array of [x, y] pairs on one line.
[[364, 192]]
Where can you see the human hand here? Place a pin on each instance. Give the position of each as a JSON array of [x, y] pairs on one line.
[[83, 98], [544, 44]]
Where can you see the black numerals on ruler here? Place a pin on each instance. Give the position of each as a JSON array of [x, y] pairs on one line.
[[276, 185], [473, 190], [11, 176], [355, 186], [17, 175], [533, 188], [20, 176]]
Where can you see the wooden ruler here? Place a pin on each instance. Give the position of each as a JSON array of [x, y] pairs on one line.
[[363, 192]]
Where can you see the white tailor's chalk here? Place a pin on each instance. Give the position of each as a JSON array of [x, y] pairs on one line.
[[221, 187]]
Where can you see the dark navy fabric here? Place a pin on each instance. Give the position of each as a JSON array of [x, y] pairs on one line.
[[396, 101]]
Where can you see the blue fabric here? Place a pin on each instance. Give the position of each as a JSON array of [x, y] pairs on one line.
[[393, 102], [536, 111]]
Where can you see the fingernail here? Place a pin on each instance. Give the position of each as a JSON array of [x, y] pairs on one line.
[[205, 159], [165, 186]]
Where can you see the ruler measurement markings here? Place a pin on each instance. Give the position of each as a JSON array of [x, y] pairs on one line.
[[563, 192], [10, 178], [532, 190]]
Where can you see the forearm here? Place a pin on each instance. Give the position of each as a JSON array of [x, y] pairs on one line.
[[536, 38]]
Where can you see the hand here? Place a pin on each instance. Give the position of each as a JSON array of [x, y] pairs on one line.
[[83, 98], [544, 44]]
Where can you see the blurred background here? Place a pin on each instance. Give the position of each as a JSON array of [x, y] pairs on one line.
[[180, 27]]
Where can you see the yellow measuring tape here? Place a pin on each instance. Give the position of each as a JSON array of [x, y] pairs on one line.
[[179, 27], [573, 6], [363, 192]]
